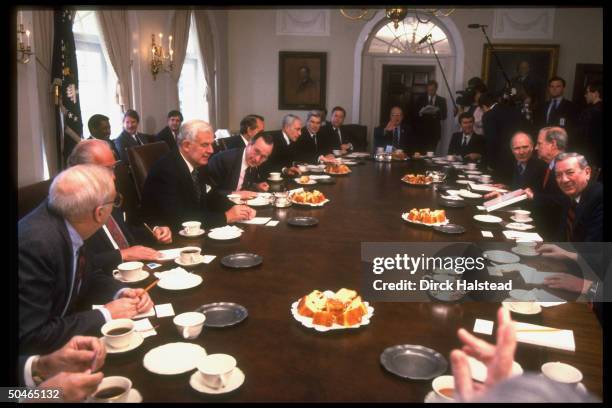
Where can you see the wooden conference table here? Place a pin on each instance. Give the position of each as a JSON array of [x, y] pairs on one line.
[[284, 361]]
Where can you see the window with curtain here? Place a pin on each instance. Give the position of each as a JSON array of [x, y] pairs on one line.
[[404, 39], [192, 84], [97, 79]]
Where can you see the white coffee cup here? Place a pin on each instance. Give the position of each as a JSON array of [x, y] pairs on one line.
[[471, 166], [109, 383], [129, 271], [561, 372], [189, 324], [118, 340], [190, 255], [380, 150], [485, 178], [521, 215], [216, 369], [444, 382], [337, 152], [191, 227], [275, 176], [527, 247], [430, 154]]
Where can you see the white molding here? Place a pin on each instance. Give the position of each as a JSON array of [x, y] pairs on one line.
[[310, 22], [524, 23]]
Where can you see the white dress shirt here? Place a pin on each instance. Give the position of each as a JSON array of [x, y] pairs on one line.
[[243, 168]]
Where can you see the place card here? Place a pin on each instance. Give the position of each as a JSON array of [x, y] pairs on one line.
[[164, 310], [256, 221], [483, 326], [153, 265], [209, 258], [487, 234], [272, 223]]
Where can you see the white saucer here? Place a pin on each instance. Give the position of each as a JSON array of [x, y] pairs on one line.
[[178, 261], [173, 358], [137, 340], [521, 253], [522, 307], [134, 397], [513, 218], [224, 236], [183, 233], [236, 380], [519, 226], [143, 275], [489, 219]]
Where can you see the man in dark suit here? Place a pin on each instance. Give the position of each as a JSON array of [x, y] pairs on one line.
[[285, 153], [466, 143], [130, 136], [333, 136], [99, 127], [309, 146], [177, 186], [168, 134], [397, 133], [583, 214], [57, 281], [548, 199], [499, 122], [236, 170], [558, 111], [250, 125], [115, 242], [590, 141], [431, 110]]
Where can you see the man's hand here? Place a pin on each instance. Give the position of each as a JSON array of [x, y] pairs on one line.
[[390, 126], [79, 354], [144, 300], [492, 194], [556, 252], [245, 194], [568, 282], [75, 386], [529, 193], [139, 253], [345, 147], [123, 308], [293, 171], [473, 156], [263, 186], [497, 358], [163, 235], [239, 213]]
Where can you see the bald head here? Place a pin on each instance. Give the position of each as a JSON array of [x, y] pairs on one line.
[[92, 151], [522, 146]]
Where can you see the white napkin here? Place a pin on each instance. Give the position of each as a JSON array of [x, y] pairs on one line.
[[164, 310], [483, 326], [209, 258], [549, 337], [145, 328], [272, 223], [257, 221], [172, 273], [523, 236]]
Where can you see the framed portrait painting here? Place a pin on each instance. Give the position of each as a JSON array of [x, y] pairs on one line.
[[302, 80], [528, 66]]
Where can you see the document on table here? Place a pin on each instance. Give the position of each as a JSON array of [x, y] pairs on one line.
[[523, 236], [164, 310], [483, 326], [256, 221], [545, 336], [170, 254], [534, 277]]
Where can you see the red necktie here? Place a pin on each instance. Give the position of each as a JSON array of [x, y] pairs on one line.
[[569, 226], [116, 233], [546, 175]]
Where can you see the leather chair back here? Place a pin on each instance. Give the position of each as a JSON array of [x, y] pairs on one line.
[[29, 197], [358, 134], [142, 158], [131, 201]]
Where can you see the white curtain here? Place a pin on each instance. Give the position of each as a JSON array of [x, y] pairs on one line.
[[43, 40], [180, 37], [116, 38], [207, 50]]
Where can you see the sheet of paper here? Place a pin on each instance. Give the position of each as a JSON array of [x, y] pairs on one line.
[[209, 258], [547, 299], [483, 326], [523, 236], [272, 223], [164, 310], [143, 325], [487, 234], [534, 277], [148, 313], [170, 254], [545, 336], [256, 221]]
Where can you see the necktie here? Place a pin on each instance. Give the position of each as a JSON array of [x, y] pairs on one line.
[[138, 139], [337, 132], [197, 187], [465, 141], [546, 175], [79, 273], [397, 136], [553, 107], [314, 138], [431, 100], [569, 222], [116, 233]]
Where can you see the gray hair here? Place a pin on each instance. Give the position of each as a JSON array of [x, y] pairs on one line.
[[558, 134], [582, 161], [78, 190], [190, 129], [517, 134], [84, 152], [288, 119], [316, 114]]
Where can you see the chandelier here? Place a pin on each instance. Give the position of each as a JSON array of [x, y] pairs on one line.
[[399, 13]]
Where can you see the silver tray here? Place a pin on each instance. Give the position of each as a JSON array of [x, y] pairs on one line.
[[303, 221], [223, 314], [414, 362], [241, 260], [450, 229]]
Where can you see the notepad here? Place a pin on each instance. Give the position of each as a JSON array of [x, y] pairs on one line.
[[272, 223], [545, 336]]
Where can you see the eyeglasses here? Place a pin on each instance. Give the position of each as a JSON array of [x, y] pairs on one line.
[[117, 202]]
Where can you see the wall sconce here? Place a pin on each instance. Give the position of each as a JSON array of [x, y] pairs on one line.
[[159, 61], [24, 50]]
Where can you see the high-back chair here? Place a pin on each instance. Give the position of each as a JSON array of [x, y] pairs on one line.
[[142, 159]]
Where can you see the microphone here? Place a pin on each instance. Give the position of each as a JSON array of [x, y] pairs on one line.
[[476, 25], [422, 40]]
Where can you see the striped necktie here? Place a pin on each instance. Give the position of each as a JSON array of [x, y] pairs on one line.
[[571, 217], [116, 233]]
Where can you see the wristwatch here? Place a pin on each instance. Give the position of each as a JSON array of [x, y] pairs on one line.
[[592, 291]]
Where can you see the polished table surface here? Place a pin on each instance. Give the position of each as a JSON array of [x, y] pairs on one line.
[[284, 361]]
